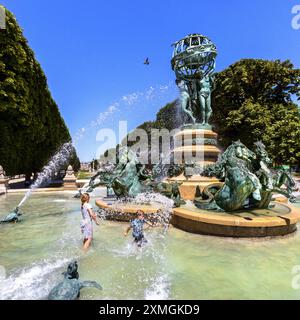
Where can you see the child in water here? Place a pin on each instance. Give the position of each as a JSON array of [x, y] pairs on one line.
[[87, 221], [137, 226]]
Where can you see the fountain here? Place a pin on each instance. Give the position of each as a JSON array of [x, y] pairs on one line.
[[231, 193], [237, 202], [194, 61], [228, 194], [61, 157], [129, 179]]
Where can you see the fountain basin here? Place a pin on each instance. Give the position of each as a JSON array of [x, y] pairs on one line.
[[277, 221], [256, 268]]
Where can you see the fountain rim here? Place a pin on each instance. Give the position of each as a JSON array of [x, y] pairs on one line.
[[226, 225]]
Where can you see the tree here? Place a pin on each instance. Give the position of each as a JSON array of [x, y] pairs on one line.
[[75, 162], [170, 116], [253, 101], [95, 164], [31, 127]]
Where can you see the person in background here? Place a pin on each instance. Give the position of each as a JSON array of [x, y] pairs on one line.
[[137, 226], [87, 221]]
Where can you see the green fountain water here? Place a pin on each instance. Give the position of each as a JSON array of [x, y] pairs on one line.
[[178, 265]]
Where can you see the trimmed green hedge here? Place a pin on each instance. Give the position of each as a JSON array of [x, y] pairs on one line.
[[31, 127]]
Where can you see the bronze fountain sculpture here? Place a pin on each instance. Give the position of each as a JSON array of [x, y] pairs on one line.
[[194, 61], [237, 183], [245, 177], [248, 182], [129, 178]]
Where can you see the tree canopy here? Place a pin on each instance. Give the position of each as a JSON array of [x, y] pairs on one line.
[[253, 101], [31, 127]]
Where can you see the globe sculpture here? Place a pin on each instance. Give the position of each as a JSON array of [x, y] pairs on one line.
[[193, 61]]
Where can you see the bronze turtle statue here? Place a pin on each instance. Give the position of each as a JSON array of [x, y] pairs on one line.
[[12, 216]]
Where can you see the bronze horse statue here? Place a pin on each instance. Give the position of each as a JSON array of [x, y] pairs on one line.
[[247, 180]]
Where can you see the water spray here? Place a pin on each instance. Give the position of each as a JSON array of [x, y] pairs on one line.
[[63, 154], [54, 165]]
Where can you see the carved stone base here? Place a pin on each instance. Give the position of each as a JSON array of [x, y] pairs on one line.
[[188, 187], [70, 185], [196, 126], [201, 145]]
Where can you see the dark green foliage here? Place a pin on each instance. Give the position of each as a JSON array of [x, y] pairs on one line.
[[75, 162], [31, 127], [170, 116], [253, 101], [95, 164]]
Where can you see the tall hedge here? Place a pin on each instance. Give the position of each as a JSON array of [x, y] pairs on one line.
[[31, 127]]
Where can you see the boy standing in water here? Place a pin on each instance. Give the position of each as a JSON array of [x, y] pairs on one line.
[[137, 226]]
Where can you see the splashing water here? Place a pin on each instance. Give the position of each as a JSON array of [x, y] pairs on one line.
[[159, 289], [155, 200], [54, 165], [128, 100], [62, 156], [157, 280], [33, 282], [158, 284], [151, 198]]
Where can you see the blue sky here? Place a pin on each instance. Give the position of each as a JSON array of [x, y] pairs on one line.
[[93, 51]]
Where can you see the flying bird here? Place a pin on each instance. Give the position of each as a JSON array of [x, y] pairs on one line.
[[147, 61]]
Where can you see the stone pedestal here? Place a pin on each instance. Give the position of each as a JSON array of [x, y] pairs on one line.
[[195, 143], [70, 179], [3, 181]]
